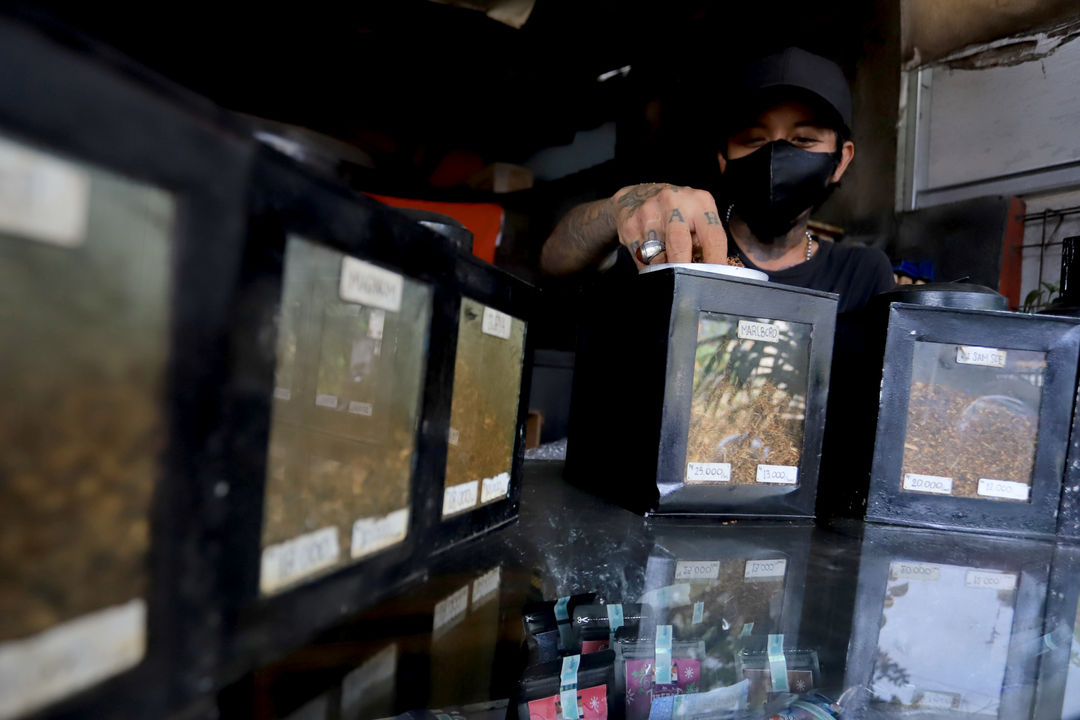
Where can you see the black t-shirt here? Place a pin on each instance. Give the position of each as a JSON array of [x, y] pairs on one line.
[[856, 272]]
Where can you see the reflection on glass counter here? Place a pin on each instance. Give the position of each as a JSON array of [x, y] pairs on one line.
[[348, 384], [484, 407], [973, 421], [748, 406], [85, 285]]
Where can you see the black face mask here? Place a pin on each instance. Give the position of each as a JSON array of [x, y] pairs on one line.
[[772, 186]]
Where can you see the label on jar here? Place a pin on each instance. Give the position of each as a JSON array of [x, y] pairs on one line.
[[496, 323], [367, 284], [750, 330], [450, 608], [460, 497], [485, 585], [376, 324], [70, 657], [42, 197], [936, 700], [778, 474], [760, 569], [495, 488], [291, 560], [987, 357], [326, 401], [990, 580], [1003, 489], [708, 472], [924, 572], [697, 569], [369, 535], [361, 408], [928, 483]]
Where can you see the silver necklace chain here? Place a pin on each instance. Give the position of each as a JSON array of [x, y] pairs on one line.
[[809, 244]]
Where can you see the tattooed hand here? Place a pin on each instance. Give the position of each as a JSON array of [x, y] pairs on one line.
[[685, 220]]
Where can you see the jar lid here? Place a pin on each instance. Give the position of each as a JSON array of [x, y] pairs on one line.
[[965, 296]]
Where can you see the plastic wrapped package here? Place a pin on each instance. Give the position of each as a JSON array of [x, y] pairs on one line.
[[587, 681]]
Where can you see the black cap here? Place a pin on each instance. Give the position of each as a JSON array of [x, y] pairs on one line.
[[804, 71]]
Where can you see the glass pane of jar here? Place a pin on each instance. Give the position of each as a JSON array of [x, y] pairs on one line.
[[973, 420], [748, 406], [85, 284], [944, 639], [484, 407], [351, 359]]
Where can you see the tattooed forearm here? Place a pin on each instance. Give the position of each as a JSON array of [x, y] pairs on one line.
[[581, 239]]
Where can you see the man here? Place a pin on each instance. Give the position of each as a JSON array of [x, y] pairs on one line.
[[785, 144]]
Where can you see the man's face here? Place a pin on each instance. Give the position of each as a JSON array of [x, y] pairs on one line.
[[791, 121]]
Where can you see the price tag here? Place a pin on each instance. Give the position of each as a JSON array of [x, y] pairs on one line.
[[42, 197], [928, 483], [361, 408], [304, 555], [765, 332], [923, 572], [697, 570], [662, 671], [495, 488], [367, 284], [989, 580], [496, 323], [708, 472], [987, 357], [450, 608], [764, 569], [778, 474], [326, 401], [936, 700], [485, 585], [458, 498], [70, 657], [1005, 489], [369, 535]]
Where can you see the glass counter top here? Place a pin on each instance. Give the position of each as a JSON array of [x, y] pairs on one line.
[[857, 621]]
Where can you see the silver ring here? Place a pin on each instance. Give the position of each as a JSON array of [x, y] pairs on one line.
[[650, 249]]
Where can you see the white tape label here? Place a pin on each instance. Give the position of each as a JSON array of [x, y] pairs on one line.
[[70, 657], [458, 498], [361, 408], [987, 357], [1003, 489], [326, 401], [923, 572], [495, 488], [449, 608], [291, 560], [496, 323], [759, 569], [985, 579], [928, 483], [42, 197], [708, 472], [370, 535], [934, 700], [697, 569], [778, 474], [367, 284], [485, 585], [282, 394], [749, 330]]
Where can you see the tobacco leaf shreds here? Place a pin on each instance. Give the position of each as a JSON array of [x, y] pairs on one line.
[[953, 434]]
